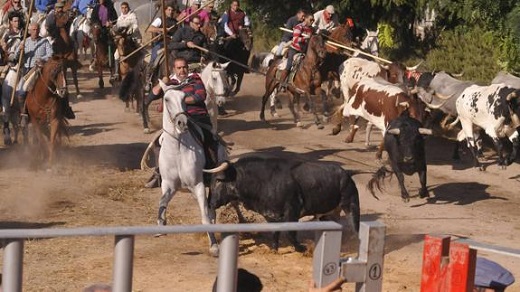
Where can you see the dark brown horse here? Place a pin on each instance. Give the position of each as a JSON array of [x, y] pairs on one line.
[[104, 54], [307, 79], [131, 70], [46, 107], [63, 47], [335, 57]]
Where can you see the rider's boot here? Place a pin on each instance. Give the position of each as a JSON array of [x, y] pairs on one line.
[[67, 110], [155, 180], [283, 79], [115, 76]]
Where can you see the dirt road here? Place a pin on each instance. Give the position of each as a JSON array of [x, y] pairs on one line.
[[98, 183]]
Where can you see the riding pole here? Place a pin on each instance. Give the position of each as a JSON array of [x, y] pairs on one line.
[[165, 38], [335, 44], [22, 49], [169, 28]]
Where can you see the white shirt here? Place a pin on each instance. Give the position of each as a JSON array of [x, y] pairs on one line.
[[129, 21], [320, 23]]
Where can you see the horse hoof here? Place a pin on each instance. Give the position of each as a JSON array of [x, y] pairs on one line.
[[91, 68], [79, 96], [299, 124], [146, 131], [213, 250]]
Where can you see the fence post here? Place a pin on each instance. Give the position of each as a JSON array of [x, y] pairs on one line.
[[227, 263], [372, 251], [123, 263], [13, 265], [325, 259]]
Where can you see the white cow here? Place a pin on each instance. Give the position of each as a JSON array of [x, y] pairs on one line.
[[495, 109], [182, 159]]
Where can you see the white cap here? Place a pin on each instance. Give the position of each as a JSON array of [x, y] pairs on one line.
[[330, 9]]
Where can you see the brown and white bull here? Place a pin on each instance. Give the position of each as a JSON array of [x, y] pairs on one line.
[[379, 102], [355, 69]]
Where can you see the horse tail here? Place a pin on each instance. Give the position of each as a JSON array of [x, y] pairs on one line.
[[126, 86]]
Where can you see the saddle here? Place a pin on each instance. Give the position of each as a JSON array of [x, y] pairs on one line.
[[296, 65], [30, 78]]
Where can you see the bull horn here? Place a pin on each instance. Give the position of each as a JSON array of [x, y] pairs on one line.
[[424, 131], [386, 67], [458, 75], [435, 106], [442, 96], [404, 104], [511, 96], [414, 67], [223, 166], [450, 126], [394, 131]]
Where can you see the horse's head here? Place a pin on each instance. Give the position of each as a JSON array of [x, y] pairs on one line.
[[246, 37], [317, 46], [342, 34], [54, 77], [174, 114], [62, 19], [215, 79], [371, 42]]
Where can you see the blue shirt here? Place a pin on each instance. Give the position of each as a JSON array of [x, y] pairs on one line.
[[82, 5], [39, 49], [41, 5]]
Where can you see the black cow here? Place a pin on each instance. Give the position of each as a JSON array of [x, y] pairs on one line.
[[284, 190], [405, 146]]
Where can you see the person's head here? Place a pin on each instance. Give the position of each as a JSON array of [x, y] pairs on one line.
[[59, 6], [195, 4], [308, 19], [209, 7], [491, 277], [246, 282], [14, 20], [235, 5], [16, 3], [195, 22], [329, 10], [125, 8], [180, 68], [169, 9], [34, 30], [300, 14], [98, 288]]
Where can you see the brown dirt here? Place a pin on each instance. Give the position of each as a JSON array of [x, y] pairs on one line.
[[97, 182]]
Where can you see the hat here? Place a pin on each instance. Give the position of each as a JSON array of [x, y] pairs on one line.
[[492, 275], [330, 9], [59, 4], [196, 2]]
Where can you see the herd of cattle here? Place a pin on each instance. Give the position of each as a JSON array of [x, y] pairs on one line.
[[405, 105]]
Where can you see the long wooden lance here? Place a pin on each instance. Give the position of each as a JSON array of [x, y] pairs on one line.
[[335, 44], [169, 28], [165, 38], [22, 51]]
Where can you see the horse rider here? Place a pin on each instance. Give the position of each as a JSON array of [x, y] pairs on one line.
[[287, 36], [13, 6], [128, 21], [37, 51], [301, 35], [10, 41], [185, 38], [325, 20], [172, 16], [43, 7], [194, 100], [80, 8], [233, 20]]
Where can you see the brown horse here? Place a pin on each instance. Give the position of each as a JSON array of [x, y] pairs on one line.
[[307, 79], [335, 57], [131, 70], [46, 107], [104, 52], [64, 48]]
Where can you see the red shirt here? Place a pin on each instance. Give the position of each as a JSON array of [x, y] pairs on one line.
[[194, 87], [299, 42]]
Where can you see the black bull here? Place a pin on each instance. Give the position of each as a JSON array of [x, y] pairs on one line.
[[284, 190], [404, 143]]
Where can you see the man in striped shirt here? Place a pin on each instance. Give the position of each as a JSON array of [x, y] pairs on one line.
[[194, 99]]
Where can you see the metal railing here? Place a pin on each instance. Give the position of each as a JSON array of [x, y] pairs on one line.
[[328, 235]]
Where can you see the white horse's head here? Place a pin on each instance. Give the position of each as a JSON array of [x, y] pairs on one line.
[[215, 79], [175, 119], [371, 42]]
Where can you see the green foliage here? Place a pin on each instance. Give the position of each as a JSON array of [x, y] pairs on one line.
[[470, 51], [386, 36]]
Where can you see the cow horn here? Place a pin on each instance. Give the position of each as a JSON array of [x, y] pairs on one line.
[[394, 131], [442, 96], [223, 166], [435, 106], [511, 96], [424, 131], [414, 67], [458, 75], [386, 67], [144, 164], [404, 104]]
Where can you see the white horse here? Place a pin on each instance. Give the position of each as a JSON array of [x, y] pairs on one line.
[[371, 42], [215, 80], [182, 159], [80, 34]]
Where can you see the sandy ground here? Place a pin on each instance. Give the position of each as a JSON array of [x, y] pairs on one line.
[[97, 182]]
